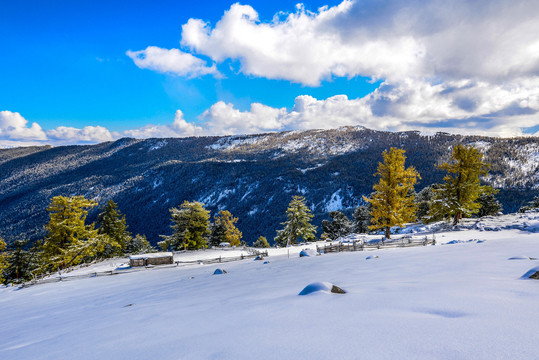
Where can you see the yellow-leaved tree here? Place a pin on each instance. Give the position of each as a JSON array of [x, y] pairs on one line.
[[393, 200], [224, 229], [70, 239]]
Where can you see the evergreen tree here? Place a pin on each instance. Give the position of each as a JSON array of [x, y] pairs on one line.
[[489, 204], [393, 200], [69, 238], [457, 196], [362, 219], [138, 245], [224, 229], [21, 263], [261, 242], [423, 200], [3, 260], [297, 224], [190, 227], [534, 204], [340, 226], [112, 223]]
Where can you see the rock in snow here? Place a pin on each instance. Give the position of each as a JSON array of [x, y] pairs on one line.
[[307, 252], [324, 287], [532, 274]]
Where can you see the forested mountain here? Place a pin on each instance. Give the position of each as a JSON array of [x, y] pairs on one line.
[[252, 176]]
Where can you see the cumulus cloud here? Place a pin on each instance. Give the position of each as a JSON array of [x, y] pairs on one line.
[[171, 61], [14, 127], [71, 135], [457, 107], [487, 40], [14, 131], [178, 128]]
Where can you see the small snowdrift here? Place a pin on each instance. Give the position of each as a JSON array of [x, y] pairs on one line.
[[521, 258], [307, 253], [323, 287], [452, 242], [123, 267], [219, 272], [532, 274]]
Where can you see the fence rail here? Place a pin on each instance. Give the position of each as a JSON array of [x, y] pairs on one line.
[[360, 245], [220, 259]]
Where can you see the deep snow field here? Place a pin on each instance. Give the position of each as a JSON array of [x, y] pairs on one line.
[[459, 299]]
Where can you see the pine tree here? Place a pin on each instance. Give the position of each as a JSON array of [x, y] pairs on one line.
[[393, 200], [261, 242], [297, 224], [224, 229], [457, 196], [138, 245], [112, 223], [69, 238], [340, 226], [3, 260], [190, 227], [531, 205], [21, 263], [362, 219], [489, 204], [423, 200]]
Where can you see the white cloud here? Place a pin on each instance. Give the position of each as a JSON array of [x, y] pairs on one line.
[[485, 40], [71, 135], [14, 127], [456, 107], [178, 128], [304, 47], [14, 131], [171, 61]]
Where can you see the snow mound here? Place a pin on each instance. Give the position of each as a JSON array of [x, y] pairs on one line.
[[307, 253], [521, 258], [531, 274], [477, 241], [123, 267], [259, 257], [219, 272], [324, 287]]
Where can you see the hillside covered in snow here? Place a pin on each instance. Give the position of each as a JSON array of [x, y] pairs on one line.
[[252, 176], [467, 297]]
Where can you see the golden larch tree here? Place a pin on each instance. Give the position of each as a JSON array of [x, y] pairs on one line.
[[393, 201]]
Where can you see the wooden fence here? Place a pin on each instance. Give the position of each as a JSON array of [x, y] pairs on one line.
[[220, 259], [360, 245]]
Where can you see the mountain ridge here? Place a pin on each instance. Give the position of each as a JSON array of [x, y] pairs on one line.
[[253, 176]]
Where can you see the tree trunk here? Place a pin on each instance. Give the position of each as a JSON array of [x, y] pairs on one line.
[[457, 218], [388, 234]]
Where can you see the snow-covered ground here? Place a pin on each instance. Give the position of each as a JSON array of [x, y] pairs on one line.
[[460, 299]]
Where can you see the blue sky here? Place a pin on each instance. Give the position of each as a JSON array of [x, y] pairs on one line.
[[67, 77]]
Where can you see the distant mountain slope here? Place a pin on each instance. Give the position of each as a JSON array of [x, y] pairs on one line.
[[253, 176]]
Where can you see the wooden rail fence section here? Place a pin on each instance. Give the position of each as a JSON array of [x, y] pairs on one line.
[[359, 245], [220, 259]]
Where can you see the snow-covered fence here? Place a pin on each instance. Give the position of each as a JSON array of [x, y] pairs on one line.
[[359, 245], [220, 259]]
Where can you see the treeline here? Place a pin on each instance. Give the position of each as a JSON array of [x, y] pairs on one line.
[[70, 240], [394, 202]]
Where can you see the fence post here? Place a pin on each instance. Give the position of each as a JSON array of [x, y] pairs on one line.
[[219, 258]]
